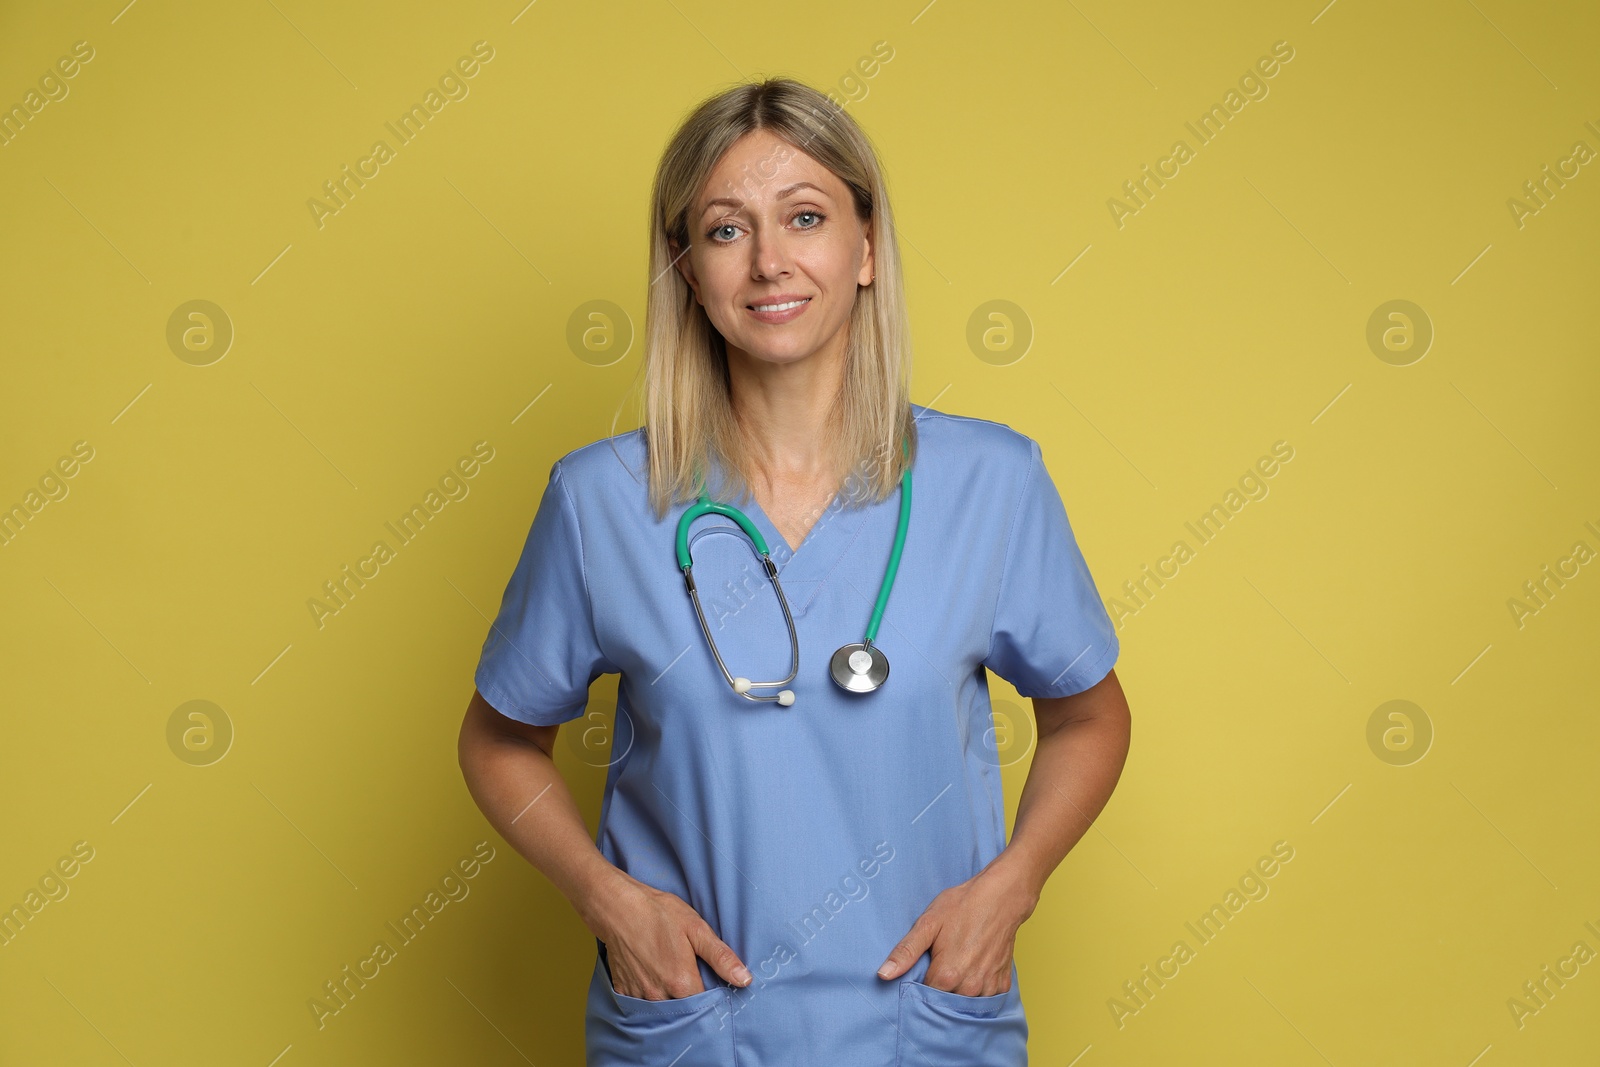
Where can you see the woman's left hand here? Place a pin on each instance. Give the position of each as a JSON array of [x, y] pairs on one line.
[[972, 930]]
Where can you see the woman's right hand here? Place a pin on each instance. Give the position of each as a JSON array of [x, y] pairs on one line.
[[652, 939]]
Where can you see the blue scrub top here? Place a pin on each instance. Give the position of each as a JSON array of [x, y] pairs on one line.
[[809, 837]]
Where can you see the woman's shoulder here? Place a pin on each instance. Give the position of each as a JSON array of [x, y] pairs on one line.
[[608, 463], [966, 440]]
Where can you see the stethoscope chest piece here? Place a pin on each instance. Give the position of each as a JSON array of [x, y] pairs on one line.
[[859, 667]]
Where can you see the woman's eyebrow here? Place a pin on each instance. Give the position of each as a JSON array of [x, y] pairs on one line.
[[788, 190]]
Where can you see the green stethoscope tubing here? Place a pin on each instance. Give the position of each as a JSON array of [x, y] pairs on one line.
[[894, 552], [705, 506]]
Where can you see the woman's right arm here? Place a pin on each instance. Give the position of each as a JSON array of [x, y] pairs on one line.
[[651, 937]]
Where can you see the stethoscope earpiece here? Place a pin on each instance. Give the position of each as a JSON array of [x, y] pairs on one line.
[[742, 686]]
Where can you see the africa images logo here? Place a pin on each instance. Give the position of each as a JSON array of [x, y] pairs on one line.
[[339, 990], [454, 484]]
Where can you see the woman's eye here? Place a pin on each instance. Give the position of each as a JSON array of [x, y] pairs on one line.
[[727, 231]]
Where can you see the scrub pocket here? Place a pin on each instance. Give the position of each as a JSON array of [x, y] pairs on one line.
[[943, 1029], [692, 1031]]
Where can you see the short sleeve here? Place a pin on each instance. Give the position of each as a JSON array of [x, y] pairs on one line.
[[541, 652], [1051, 636]]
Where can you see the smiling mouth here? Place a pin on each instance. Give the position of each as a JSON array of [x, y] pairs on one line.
[[785, 306]]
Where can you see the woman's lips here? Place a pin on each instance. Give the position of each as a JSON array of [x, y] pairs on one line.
[[776, 317]]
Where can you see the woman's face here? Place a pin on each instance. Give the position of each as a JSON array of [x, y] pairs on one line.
[[772, 226]]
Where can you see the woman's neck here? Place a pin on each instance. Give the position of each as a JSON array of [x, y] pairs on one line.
[[786, 413]]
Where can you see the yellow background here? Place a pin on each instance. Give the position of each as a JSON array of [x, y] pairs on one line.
[[369, 354]]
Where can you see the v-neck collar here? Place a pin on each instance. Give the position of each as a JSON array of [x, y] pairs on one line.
[[804, 570]]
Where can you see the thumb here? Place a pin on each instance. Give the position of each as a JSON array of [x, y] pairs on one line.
[[711, 948], [910, 948]]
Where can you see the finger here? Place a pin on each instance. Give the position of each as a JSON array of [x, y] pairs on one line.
[[910, 948], [945, 972], [711, 948], [624, 977], [674, 986], [645, 979]]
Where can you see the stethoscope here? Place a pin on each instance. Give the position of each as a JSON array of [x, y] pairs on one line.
[[857, 667]]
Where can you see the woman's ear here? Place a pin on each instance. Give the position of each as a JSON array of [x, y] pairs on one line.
[[869, 269], [680, 260]]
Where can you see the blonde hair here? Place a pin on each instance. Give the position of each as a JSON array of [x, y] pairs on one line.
[[687, 407]]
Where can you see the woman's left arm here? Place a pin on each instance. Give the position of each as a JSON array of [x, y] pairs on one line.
[[972, 927]]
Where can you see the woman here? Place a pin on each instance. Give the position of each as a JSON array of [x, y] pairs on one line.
[[824, 881]]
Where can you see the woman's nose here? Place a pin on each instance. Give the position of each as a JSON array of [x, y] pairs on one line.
[[770, 253]]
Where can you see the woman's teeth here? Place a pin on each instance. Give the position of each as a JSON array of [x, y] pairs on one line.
[[779, 307]]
